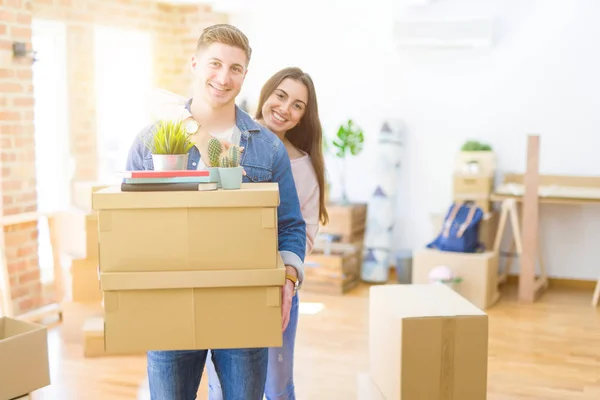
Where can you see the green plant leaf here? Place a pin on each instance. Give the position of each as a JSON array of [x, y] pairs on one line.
[[350, 138], [169, 137]]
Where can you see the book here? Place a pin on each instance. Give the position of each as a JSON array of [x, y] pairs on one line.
[[177, 179], [165, 174], [167, 187]]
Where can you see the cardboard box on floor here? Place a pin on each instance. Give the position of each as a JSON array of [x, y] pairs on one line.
[[83, 191], [190, 270], [366, 388], [85, 283], [427, 342], [479, 273], [24, 365], [78, 233]]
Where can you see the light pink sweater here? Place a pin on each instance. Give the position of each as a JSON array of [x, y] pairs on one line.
[[307, 187]]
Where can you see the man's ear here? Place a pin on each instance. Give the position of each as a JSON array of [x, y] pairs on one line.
[[193, 64]]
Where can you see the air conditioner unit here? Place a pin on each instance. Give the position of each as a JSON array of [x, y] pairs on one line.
[[444, 33]]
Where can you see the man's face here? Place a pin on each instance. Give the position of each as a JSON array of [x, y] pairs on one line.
[[219, 71]]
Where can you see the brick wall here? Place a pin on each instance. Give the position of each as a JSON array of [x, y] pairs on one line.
[[18, 183], [175, 30]]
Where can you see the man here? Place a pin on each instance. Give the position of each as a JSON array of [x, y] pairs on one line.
[[219, 67]]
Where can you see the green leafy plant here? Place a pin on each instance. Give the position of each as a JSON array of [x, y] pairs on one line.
[[474, 145], [231, 158], [170, 137], [349, 141]]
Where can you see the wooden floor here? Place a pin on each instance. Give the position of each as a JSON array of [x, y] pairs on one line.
[[549, 350]]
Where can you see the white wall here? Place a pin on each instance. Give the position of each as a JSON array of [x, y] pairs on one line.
[[541, 76]]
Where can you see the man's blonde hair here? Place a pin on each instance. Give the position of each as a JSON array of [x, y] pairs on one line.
[[225, 34]]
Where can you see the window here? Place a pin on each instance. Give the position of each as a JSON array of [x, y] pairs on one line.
[[54, 165], [123, 68]]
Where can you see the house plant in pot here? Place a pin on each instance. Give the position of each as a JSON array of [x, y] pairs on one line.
[[215, 149], [169, 146], [230, 170]]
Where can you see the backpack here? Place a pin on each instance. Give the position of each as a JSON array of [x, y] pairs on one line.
[[460, 231]]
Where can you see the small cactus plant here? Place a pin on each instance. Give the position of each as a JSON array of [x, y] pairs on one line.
[[214, 152], [231, 159]]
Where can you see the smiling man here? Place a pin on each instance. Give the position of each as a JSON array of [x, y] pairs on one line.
[[219, 67]]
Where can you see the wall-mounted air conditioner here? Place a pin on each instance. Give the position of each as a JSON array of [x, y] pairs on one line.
[[444, 33]]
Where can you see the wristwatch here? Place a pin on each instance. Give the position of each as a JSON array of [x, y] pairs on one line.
[[294, 280], [191, 126]]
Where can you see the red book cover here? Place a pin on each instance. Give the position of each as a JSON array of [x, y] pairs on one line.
[[166, 174]]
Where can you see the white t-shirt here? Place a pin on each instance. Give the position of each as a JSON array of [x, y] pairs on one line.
[[231, 135]]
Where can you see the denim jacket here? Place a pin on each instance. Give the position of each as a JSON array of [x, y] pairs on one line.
[[264, 159]]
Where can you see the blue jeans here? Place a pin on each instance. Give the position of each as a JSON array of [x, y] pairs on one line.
[[175, 375], [280, 373]]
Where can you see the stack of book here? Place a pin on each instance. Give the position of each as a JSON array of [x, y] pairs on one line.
[[158, 181]]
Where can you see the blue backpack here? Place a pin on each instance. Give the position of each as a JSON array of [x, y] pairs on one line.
[[460, 231]]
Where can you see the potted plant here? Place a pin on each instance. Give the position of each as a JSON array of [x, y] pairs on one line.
[[169, 146], [350, 139], [230, 170], [215, 149]]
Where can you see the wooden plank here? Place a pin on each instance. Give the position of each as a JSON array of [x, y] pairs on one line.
[[23, 218], [546, 200], [527, 289], [559, 180], [6, 305], [40, 314]]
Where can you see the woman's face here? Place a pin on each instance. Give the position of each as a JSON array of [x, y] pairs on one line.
[[284, 108]]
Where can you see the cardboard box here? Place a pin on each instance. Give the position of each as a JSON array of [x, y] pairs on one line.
[[188, 231], [332, 273], [347, 221], [485, 161], [93, 337], [479, 273], [366, 388], [427, 342], [481, 200], [74, 316], [85, 283], [78, 233], [186, 310], [24, 365], [473, 184], [82, 193]]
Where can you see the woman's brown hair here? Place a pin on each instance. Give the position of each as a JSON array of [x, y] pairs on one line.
[[308, 134]]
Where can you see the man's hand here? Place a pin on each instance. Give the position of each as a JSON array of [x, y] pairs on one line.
[[286, 302]]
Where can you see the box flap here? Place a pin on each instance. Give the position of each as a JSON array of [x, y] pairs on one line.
[[263, 194], [11, 327], [423, 300], [193, 279]]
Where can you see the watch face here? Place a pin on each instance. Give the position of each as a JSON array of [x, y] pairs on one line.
[[191, 127]]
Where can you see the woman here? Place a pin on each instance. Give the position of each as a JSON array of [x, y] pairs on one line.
[[288, 107]]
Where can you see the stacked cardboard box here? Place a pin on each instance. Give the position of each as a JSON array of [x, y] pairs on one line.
[[190, 270], [78, 241], [426, 342], [334, 265], [24, 361], [478, 272], [474, 177]]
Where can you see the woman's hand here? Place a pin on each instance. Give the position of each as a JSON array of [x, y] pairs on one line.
[[286, 302]]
